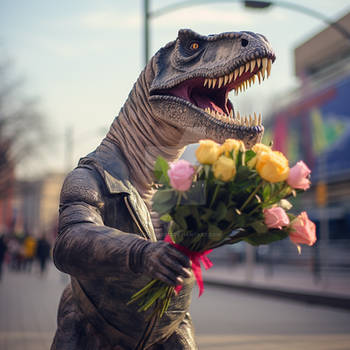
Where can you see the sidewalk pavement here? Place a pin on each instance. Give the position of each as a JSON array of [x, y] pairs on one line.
[[294, 282], [28, 304]]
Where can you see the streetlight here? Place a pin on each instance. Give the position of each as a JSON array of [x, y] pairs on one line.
[[148, 15]]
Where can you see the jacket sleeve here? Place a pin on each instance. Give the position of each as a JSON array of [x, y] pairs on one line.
[[85, 247]]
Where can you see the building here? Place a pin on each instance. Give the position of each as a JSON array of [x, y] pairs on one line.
[[36, 205], [313, 124]]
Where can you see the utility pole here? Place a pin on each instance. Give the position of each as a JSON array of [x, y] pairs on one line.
[[146, 30]]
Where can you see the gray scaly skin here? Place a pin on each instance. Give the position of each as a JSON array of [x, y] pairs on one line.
[[182, 97], [106, 240]]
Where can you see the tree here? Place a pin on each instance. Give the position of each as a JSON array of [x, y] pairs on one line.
[[22, 130]]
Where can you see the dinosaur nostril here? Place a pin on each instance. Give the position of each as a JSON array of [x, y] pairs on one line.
[[244, 42]]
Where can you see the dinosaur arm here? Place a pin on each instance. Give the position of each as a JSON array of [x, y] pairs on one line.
[[86, 247]]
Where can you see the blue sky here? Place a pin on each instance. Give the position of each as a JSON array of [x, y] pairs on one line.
[[82, 57]]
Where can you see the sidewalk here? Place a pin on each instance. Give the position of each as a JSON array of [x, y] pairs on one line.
[[28, 304], [290, 282]]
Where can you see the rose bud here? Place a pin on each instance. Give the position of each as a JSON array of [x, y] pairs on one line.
[[181, 175], [299, 176], [207, 151], [303, 230], [275, 217]]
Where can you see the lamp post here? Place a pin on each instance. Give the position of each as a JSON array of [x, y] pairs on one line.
[[148, 14]]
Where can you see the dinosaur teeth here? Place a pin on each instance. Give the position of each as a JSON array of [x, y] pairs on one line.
[[221, 80], [230, 77], [258, 62], [268, 68], [264, 70], [226, 79], [252, 65], [236, 73], [264, 65], [231, 118]]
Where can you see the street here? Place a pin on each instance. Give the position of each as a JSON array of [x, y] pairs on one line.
[[224, 319]]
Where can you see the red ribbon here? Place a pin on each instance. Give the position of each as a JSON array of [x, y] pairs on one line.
[[196, 258]]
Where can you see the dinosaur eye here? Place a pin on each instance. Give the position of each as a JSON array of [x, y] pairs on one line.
[[194, 46]]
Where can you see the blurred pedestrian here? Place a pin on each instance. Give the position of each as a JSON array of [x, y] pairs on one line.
[[43, 253], [14, 248], [3, 249], [29, 250]]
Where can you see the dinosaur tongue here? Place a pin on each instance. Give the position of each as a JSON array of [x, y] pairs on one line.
[[215, 99], [204, 102]]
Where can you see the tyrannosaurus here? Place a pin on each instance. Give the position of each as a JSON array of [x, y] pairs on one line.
[[106, 240]]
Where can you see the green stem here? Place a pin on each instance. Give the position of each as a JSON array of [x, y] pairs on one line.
[[145, 289], [252, 195], [179, 199], [254, 210], [280, 190], [214, 195]]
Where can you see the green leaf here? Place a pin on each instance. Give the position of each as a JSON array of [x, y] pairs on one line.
[[163, 195], [166, 218], [259, 227], [183, 211], [215, 234], [243, 173], [220, 212], [230, 214], [180, 220], [249, 155], [164, 200], [239, 159], [161, 168], [266, 238], [266, 192], [207, 214]]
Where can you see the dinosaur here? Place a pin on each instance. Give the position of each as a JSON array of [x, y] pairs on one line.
[[107, 239]]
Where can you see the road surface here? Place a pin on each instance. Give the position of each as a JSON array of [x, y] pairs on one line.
[[224, 319]]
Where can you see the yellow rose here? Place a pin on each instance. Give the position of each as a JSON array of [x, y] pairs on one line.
[[260, 147], [207, 151], [231, 145], [252, 162], [272, 166], [224, 169]]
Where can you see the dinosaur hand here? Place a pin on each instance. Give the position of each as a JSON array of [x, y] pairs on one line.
[[162, 261]]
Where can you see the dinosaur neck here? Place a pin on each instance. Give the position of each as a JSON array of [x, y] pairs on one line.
[[142, 138]]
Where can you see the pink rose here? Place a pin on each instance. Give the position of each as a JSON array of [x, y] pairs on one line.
[[276, 218], [299, 176], [303, 230], [181, 174]]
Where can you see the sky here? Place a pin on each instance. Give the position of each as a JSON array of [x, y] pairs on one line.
[[81, 58]]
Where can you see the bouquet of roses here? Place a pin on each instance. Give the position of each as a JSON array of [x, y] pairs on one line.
[[232, 195]]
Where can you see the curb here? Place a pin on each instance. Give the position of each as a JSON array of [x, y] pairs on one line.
[[338, 302]]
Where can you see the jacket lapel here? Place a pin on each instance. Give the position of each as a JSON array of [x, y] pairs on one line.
[[139, 207]]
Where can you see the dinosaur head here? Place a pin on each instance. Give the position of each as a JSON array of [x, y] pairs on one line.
[[194, 75]]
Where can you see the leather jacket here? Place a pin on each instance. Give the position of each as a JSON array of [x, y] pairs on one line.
[[101, 217]]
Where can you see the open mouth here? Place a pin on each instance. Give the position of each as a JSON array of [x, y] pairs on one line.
[[210, 94]]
